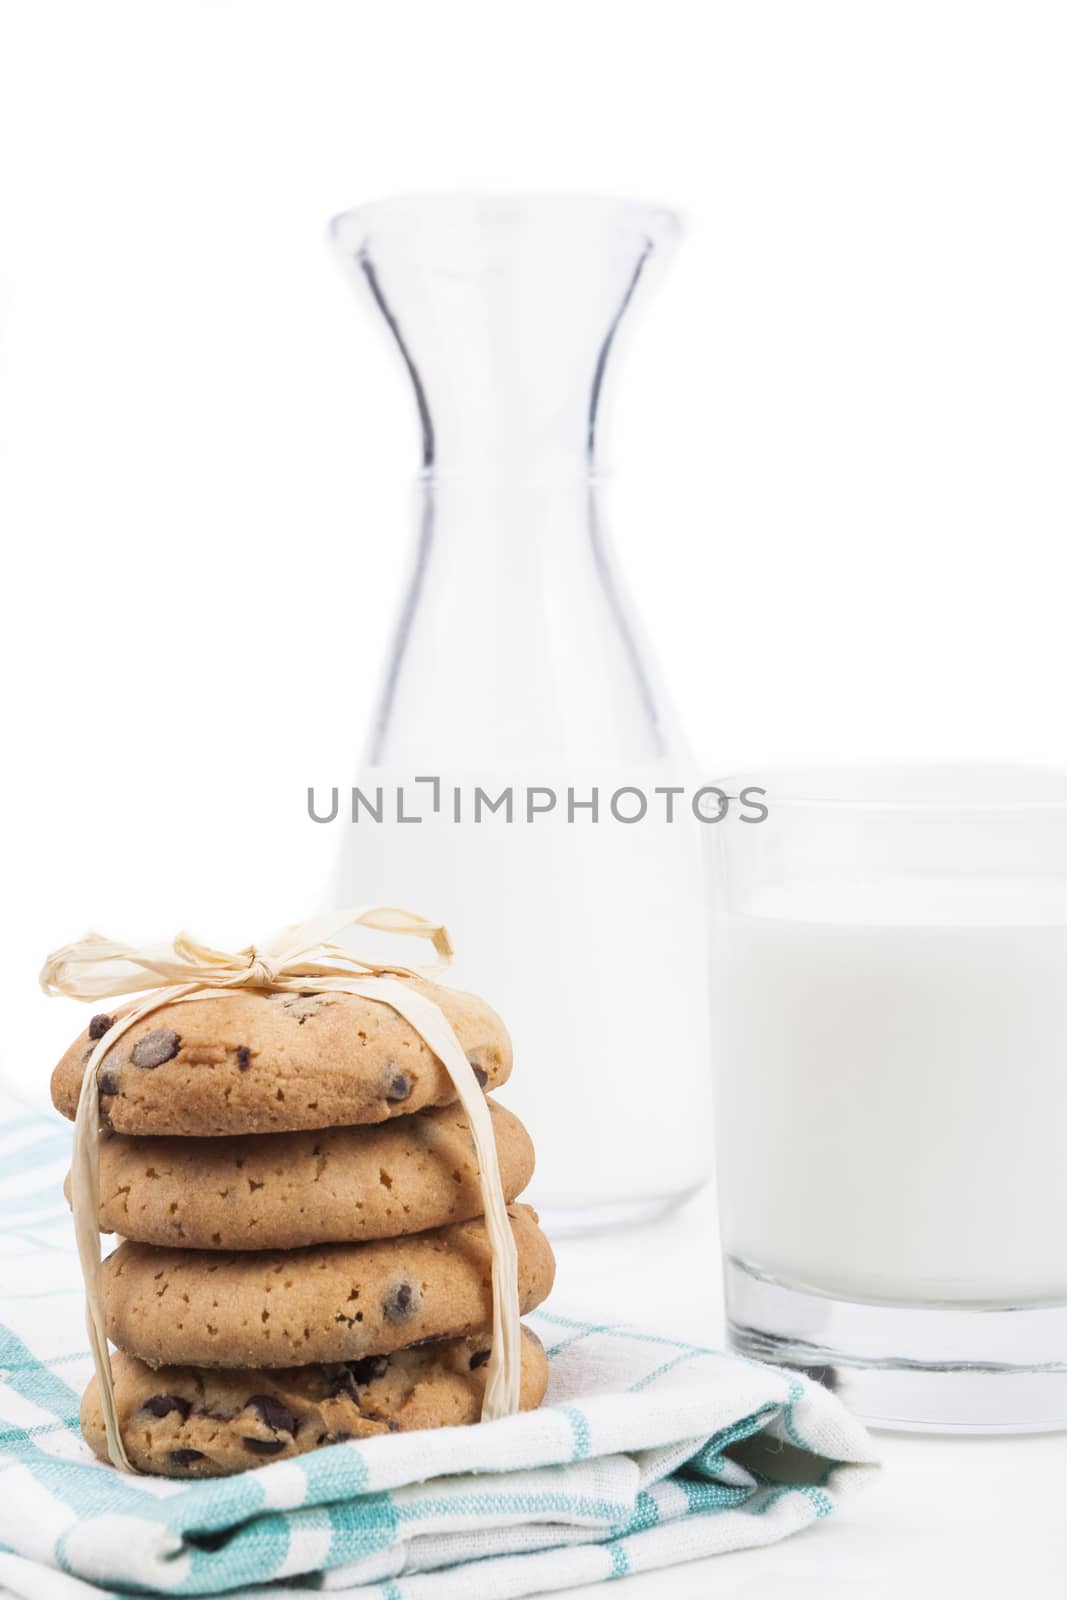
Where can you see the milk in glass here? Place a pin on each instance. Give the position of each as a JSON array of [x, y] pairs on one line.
[[891, 1086]]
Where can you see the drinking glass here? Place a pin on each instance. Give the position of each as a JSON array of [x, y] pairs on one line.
[[889, 979]]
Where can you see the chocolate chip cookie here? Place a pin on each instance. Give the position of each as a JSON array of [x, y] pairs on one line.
[[200, 1422], [249, 1061], [333, 1302], [271, 1191]]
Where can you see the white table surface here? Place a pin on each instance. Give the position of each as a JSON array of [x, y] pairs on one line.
[[948, 1516]]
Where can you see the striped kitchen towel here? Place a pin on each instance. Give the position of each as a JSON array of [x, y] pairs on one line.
[[649, 1451]]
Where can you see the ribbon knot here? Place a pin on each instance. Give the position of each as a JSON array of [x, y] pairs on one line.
[[262, 973], [303, 957]]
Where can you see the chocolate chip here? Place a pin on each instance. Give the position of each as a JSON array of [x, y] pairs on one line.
[[264, 1447], [271, 1411], [244, 1058], [100, 1024], [392, 1424], [481, 1075], [400, 1302], [479, 1358], [107, 1083], [161, 1405], [184, 1458], [398, 1086], [369, 1367], [162, 1044], [342, 1383]]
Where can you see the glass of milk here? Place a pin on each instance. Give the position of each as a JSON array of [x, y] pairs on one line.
[[889, 983]]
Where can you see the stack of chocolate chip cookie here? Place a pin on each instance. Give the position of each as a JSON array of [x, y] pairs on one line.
[[303, 1257]]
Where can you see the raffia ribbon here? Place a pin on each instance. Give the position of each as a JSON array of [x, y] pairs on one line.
[[303, 956]]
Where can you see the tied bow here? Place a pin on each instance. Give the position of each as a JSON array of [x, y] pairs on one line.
[[303, 956], [95, 968]]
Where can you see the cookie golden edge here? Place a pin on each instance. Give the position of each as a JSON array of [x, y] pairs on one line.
[[284, 1191], [250, 1061], [193, 1422], [322, 1303]]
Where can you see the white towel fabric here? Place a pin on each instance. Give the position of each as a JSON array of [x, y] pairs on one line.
[[648, 1452]]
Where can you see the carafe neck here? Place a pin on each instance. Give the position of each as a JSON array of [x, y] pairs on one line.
[[505, 313], [517, 522]]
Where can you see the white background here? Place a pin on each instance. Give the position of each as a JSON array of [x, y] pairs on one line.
[[839, 438]]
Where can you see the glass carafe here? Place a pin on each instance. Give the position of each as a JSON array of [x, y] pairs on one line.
[[516, 670]]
